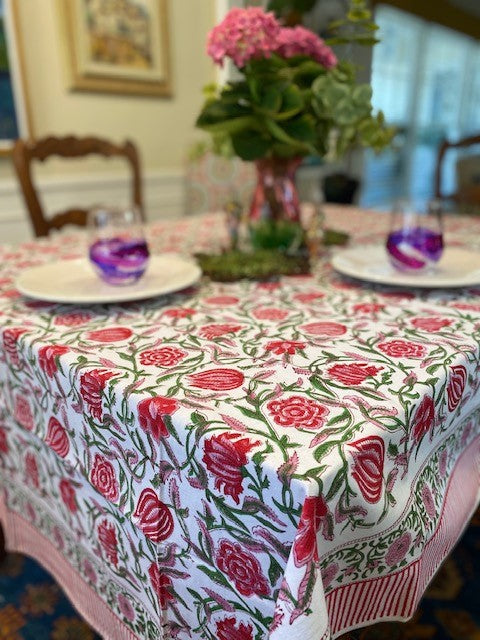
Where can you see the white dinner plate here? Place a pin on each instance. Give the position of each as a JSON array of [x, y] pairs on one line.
[[457, 267], [74, 281]]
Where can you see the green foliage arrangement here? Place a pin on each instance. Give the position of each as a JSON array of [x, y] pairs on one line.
[[293, 97]]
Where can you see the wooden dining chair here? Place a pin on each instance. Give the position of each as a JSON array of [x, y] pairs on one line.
[[27, 152], [466, 196]]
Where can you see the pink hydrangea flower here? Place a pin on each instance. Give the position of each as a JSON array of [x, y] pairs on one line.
[[298, 41], [242, 35]]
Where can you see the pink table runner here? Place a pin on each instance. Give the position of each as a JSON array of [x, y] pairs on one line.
[[243, 461]]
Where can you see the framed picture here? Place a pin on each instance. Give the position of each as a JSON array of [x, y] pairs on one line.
[[14, 112], [118, 46]]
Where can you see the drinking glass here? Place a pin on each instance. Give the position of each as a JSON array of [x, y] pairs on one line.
[[118, 250], [415, 240]]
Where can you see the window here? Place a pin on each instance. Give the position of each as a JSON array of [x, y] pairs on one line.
[[426, 79]]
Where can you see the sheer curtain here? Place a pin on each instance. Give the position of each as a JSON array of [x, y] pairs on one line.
[[426, 79]]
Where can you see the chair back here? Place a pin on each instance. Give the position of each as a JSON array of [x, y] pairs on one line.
[[467, 192], [212, 182], [26, 152]]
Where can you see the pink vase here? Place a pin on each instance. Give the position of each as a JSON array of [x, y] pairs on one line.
[[276, 195]]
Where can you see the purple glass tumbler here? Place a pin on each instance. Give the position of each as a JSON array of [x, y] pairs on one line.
[[415, 241], [118, 250]]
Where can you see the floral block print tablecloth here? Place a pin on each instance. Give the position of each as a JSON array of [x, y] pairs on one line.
[[276, 460]]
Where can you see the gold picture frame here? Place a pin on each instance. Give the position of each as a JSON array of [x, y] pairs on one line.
[[117, 46]]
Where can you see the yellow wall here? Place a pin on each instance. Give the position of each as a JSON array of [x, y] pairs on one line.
[[161, 127]]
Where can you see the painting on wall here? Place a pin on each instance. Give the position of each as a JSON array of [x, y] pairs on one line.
[[13, 111], [118, 46]]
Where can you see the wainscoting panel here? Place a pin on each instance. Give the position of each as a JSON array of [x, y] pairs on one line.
[[163, 195]]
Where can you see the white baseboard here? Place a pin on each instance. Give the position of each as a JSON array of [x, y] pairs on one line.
[[163, 196]]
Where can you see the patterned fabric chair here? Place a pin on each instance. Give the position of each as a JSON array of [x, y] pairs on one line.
[[214, 181]]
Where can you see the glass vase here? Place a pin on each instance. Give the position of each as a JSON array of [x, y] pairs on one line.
[[274, 217]]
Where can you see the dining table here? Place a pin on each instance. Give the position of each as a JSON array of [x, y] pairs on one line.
[[283, 459]]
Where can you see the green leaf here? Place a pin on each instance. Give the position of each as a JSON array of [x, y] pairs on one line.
[[215, 576], [324, 449], [362, 94], [301, 129], [318, 384], [392, 449], [249, 145], [292, 102], [337, 483], [357, 15], [342, 417], [271, 100], [248, 413], [275, 571]]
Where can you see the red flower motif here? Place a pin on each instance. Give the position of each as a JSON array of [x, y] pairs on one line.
[[305, 543], [423, 419], [68, 494], [92, 384], [224, 456], [222, 301], [89, 571], [57, 438], [442, 463], [108, 540], [402, 349], [466, 306], [428, 501], [153, 517], [10, 343], [227, 629], [38, 304], [368, 307], [4, 448], [398, 549], [285, 346], [217, 379], [72, 319], [268, 286], [12, 294], [126, 607], [162, 357], [328, 574], [270, 313], [31, 515], [161, 584], [151, 412], [58, 538], [456, 386], [354, 373], [243, 569], [325, 329], [102, 476], [298, 412], [31, 470], [179, 313], [23, 413], [110, 334], [48, 358], [367, 467], [308, 297], [211, 331], [431, 324], [398, 295]]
